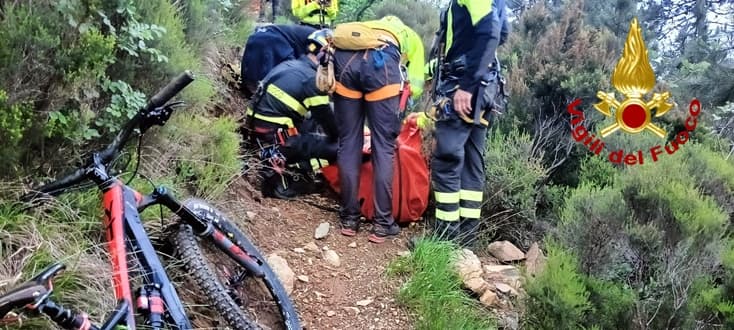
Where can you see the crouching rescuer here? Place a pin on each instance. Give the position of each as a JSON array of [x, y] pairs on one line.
[[469, 91], [292, 124]]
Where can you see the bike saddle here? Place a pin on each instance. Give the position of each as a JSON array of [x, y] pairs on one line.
[[32, 292]]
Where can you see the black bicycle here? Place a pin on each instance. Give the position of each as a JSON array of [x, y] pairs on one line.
[[215, 254]]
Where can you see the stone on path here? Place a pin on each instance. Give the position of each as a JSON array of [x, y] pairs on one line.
[[303, 278], [322, 230], [535, 260], [311, 246], [283, 271], [505, 251], [332, 258]]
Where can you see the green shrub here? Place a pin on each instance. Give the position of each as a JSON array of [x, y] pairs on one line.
[[592, 225], [512, 180], [611, 303], [557, 298], [597, 171], [15, 120], [205, 152]]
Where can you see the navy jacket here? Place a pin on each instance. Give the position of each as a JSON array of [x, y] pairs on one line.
[[475, 28]]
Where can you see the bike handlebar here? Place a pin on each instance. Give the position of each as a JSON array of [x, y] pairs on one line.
[[108, 154]]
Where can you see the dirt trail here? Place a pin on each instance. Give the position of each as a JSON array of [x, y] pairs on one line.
[[329, 299]]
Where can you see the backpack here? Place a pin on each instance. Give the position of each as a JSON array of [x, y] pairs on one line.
[[410, 176], [359, 36]]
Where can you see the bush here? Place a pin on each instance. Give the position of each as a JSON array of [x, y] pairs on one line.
[[611, 304], [557, 298], [512, 180], [655, 228], [203, 152], [71, 72], [15, 119]]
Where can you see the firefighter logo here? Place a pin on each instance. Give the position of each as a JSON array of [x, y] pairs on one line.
[[634, 78]]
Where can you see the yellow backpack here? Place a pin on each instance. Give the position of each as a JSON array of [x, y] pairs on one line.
[[360, 36]]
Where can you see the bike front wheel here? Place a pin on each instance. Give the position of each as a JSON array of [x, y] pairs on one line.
[[245, 302]]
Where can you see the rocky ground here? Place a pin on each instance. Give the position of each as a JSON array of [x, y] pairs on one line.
[[339, 282]]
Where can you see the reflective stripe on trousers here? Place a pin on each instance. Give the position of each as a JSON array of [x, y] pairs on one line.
[[457, 168]]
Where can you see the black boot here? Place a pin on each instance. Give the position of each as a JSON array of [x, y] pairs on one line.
[[468, 232], [446, 230]]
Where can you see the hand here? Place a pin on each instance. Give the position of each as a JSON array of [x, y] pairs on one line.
[[462, 102]]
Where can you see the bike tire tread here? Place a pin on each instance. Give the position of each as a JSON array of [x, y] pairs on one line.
[[199, 271]]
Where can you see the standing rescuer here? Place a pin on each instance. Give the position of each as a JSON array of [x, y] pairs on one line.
[[474, 30], [315, 13], [368, 60]]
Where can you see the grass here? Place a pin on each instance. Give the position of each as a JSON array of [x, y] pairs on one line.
[[433, 289]]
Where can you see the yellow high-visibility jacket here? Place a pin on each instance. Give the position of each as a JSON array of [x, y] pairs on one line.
[[307, 11], [411, 47]]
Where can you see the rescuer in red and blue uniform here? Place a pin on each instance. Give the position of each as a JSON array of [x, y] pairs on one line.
[[474, 30]]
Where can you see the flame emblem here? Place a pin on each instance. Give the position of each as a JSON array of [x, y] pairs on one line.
[[634, 78]]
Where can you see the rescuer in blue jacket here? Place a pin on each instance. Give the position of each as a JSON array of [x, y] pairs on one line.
[[475, 28], [292, 123], [269, 46]]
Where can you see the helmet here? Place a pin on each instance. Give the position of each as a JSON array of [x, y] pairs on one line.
[[318, 39]]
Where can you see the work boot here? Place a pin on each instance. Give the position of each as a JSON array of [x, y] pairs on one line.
[[380, 233], [468, 229], [446, 230], [278, 186], [349, 225]]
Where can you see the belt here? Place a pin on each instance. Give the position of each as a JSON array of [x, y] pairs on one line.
[[282, 121]]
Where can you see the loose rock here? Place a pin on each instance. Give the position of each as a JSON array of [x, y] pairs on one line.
[[468, 265], [299, 250], [303, 278], [504, 288], [505, 251], [332, 258], [504, 270], [352, 245], [364, 302], [283, 271], [488, 298], [477, 285], [311, 246], [351, 309], [535, 260], [251, 215], [322, 230], [330, 313]]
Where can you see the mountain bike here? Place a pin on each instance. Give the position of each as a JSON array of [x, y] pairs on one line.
[[219, 274]]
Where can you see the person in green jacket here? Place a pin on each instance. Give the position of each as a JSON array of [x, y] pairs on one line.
[[369, 83], [315, 13]]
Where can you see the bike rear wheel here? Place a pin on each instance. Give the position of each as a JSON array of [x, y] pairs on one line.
[[228, 287]]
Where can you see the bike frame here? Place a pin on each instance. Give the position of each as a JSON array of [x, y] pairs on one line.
[[125, 233], [157, 300]]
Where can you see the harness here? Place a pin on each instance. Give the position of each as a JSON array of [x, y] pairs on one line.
[[281, 134]]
